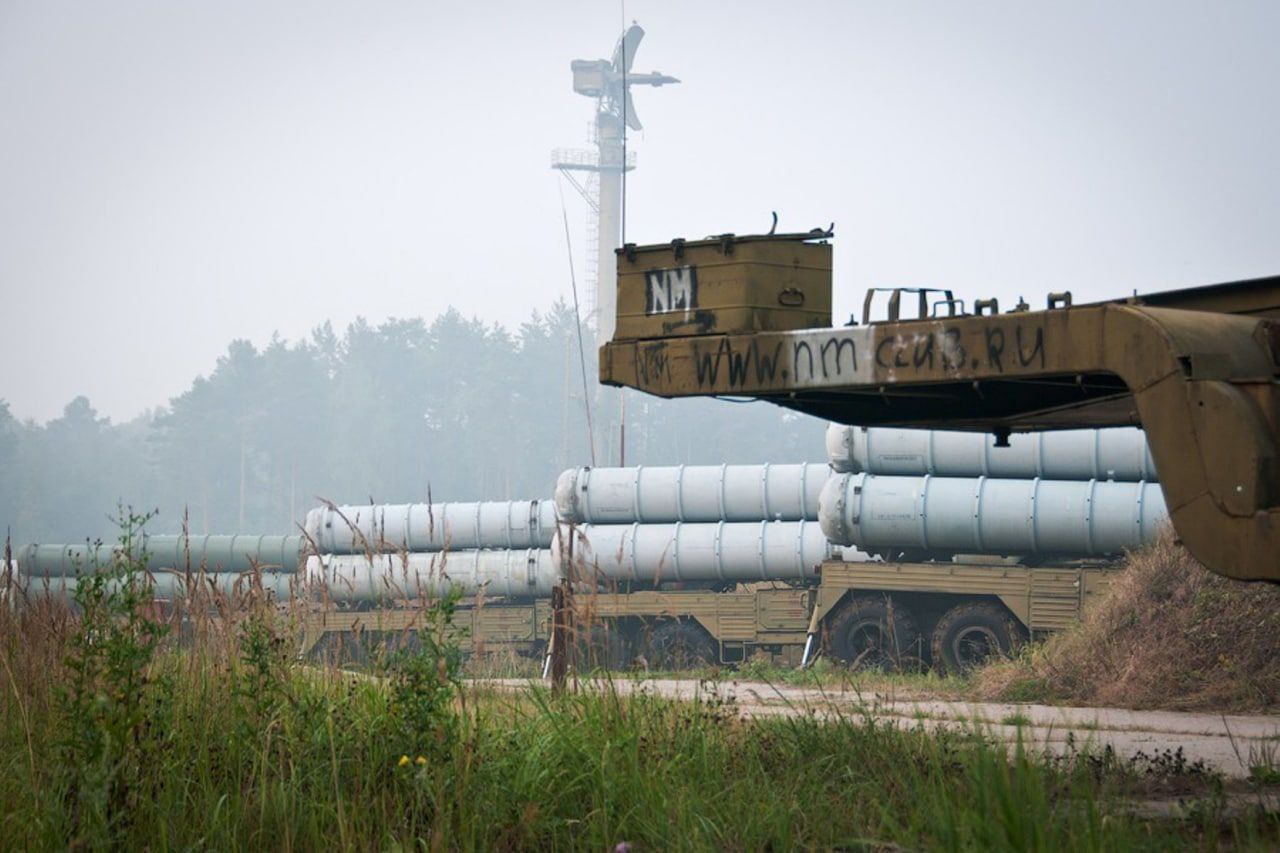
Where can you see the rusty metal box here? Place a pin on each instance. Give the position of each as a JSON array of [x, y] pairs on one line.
[[724, 285]]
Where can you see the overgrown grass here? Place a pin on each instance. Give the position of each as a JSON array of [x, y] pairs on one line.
[[1166, 634], [824, 674], [230, 743], [330, 763]]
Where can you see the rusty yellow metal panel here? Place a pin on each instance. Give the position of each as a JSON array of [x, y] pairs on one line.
[[329, 621], [363, 620], [785, 610], [542, 618], [658, 604], [1011, 584], [506, 623], [1055, 599], [735, 618], [741, 616], [929, 577], [728, 284], [494, 623], [1053, 614]]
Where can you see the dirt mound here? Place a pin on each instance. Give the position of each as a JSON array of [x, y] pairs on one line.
[[1167, 634]]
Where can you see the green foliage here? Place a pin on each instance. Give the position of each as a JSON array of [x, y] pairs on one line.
[[826, 672], [258, 682], [1264, 764], [104, 704], [425, 682], [1027, 690]]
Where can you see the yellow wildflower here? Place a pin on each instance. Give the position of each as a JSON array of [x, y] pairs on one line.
[[420, 761], [404, 761]]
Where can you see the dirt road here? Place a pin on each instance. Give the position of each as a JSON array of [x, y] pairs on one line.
[[1231, 744]]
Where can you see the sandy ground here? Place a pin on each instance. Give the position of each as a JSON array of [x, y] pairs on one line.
[[1230, 744]]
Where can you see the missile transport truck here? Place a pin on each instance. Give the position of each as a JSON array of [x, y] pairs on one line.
[[670, 567], [865, 614], [673, 565]]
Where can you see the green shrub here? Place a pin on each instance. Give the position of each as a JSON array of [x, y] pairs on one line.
[[106, 703]]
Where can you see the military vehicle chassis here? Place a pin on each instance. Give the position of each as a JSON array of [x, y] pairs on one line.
[[893, 609]]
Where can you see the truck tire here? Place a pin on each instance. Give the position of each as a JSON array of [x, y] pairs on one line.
[[970, 634], [872, 632], [681, 644]]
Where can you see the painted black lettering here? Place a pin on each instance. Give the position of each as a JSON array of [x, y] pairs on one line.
[[738, 364], [838, 344], [880, 352], [795, 358], [1037, 347], [924, 352], [708, 364], [995, 348], [660, 362], [766, 366]]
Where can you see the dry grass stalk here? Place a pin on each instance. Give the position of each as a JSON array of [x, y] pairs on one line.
[[1166, 634]]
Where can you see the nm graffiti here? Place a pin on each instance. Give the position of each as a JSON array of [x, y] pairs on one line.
[[835, 357]]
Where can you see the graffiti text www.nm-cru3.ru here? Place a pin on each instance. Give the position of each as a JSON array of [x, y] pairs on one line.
[[846, 357]]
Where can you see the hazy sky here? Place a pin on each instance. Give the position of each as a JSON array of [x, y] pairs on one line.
[[174, 175]]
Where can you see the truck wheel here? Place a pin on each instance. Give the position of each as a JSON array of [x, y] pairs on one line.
[[601, 647], [679, 645], [873, 633], [968, 635]]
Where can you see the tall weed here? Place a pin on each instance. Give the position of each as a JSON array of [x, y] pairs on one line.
[[106, 704]]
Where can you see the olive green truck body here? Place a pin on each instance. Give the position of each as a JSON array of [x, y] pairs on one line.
[[861, 613]]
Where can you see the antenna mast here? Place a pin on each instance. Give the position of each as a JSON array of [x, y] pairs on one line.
[[609, 81]]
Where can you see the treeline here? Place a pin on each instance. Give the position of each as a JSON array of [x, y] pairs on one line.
[[456, 409]]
